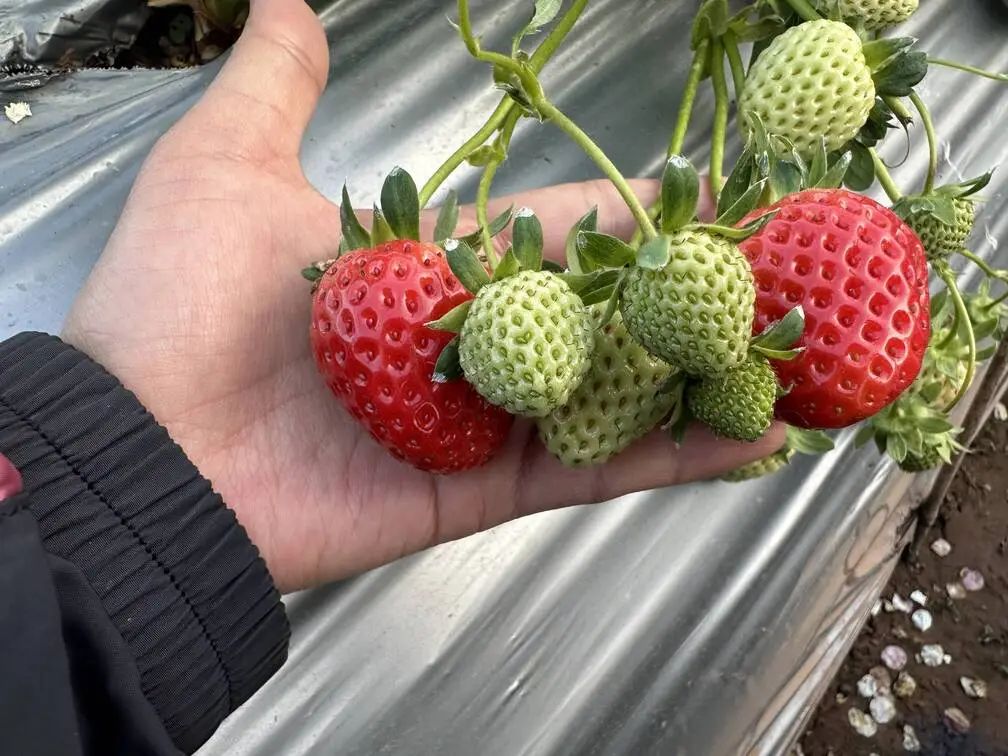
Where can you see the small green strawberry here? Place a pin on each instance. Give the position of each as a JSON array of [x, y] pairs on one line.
[[877, 14], [526, 343], [738, 404], [761, 467], [811, 85], [930, 457], [943, 218], [619, 401], [697, 311]]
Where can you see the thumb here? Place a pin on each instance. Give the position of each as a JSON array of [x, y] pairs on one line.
[[266, 92]]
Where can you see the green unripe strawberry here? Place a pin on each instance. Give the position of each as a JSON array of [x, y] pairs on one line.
[[915, 463], [811, 84], [739, 404], [761, 467], [878, 14], [942, 239], [526, 343], [696, 313], [618, 401]]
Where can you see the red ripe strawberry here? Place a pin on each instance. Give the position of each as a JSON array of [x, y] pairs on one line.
[[376, 354], [861, 275]]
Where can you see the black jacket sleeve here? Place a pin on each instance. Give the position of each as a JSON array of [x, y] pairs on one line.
[[135, 613]]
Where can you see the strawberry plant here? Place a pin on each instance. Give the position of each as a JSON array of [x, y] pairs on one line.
[[802, 299]]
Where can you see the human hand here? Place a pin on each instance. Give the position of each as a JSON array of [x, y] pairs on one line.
[[197, 306]]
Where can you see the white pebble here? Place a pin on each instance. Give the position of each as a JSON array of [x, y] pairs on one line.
[[971, 579], [973, 687], [862, 723], [894, 657], [941, 547], [956, 720], [910, 740], [932, 655], [921, 619], [876, 609], [867, 686], [919, 597], [955, 591], [883, 709], [905, 686], [901, 604]]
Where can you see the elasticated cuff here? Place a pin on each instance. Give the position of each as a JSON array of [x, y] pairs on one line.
[[174, 569]]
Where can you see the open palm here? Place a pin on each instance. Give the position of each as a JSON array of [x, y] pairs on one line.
[[198, 307]]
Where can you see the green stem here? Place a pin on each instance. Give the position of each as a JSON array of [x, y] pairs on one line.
[[735, 63], [483, 191], [805, 10], [962, 316], [896, 105], [720, 127], [988, 271], [967, 69], [929, 129], [458, 157], [542, 55], [885, 178], [995, 302], [688, 98], [550, 112]]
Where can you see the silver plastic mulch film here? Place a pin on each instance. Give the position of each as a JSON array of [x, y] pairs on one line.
[[703, 620]]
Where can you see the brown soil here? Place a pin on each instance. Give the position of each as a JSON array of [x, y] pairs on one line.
[[973, 630]]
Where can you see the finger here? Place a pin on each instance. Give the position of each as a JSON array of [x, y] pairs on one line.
[[267, 91], [654, 462]]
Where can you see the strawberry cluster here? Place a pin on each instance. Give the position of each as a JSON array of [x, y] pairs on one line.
[[803, 300]]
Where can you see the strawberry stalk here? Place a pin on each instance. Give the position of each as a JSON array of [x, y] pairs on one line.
[[929, 129], [885, 178], [540, 57], [962, 320], [678, 139], [804, 9], [731, 47], [987, 270], [967, 68], [720, 126], [486, 181]]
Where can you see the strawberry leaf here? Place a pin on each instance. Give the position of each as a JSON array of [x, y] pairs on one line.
[[508, 266], [864, 435], [527, 238], [381, 231], [781, 355], [738, 183], [447, 218], [552, 267], [744, 205], [834, 175], [783, 334], [545, 11], [604, 251], [498, 224], [448, 366], [896, 447], [711, 20], [817, 169], [465, 265], [401, 204], [809, 441], [588, 222], [738, 234], [655, 254], [861, 172], [453, 319], [786, 177], [934, 425], [600, 288], [680, 192], [353, 232], [484, 155], [312, 273], [611, 305]]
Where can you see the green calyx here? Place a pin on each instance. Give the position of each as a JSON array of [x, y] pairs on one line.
[[910, 427], [737, 404]]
